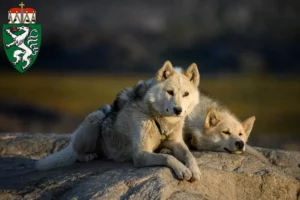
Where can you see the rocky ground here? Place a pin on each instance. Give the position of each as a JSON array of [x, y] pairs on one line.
[[224, 176]]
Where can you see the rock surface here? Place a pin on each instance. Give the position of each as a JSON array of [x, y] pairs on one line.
[[224, 176]]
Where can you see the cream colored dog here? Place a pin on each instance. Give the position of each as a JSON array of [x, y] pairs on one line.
[[213, 127], [134, 132]]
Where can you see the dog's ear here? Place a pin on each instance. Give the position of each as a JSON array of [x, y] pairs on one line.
[[212, 118], [193, 74], [165, 72], [248, 125]]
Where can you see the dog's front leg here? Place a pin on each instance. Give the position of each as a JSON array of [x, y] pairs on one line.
[[182, 153], [146, 158], [143, 146], [250, 150]]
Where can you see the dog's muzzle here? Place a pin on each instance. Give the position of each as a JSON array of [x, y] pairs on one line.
[[177, 110], [239, 145]]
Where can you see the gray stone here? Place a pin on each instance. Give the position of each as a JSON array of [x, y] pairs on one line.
[[224, 176]]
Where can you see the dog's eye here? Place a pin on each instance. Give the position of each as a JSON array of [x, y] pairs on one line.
[[240, 134], [186, 94], [226, 132], [170, 92]]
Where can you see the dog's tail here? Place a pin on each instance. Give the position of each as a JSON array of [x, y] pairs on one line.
[[65, 157], [250, 150]]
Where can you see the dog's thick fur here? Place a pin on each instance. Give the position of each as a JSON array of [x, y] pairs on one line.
[[210, 126], [213, 127], [141, 126]]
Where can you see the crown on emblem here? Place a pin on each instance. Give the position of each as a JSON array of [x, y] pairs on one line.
[[21, 15]]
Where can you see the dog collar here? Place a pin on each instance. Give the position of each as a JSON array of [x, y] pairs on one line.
[[158, 127]]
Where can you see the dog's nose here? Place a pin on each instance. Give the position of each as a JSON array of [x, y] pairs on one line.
[[177, 110], [239, 144]]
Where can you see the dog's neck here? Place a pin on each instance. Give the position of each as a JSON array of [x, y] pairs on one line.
[[165, 124], [196, 141]]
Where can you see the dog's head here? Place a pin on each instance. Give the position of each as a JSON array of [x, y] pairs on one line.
[[176, 93], [226, 132]]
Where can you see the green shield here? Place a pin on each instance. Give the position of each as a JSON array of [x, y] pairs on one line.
[[22, 44]]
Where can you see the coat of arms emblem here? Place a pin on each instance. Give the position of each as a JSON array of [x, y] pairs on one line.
[[22, 37]]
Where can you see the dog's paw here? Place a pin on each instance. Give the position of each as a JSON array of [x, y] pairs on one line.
[[166, 151], [183, 172], [195, 171], [87, 157]]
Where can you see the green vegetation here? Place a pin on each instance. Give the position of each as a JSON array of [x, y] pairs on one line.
[[274, 101]]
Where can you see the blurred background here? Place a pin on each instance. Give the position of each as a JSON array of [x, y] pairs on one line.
[[248, 54]]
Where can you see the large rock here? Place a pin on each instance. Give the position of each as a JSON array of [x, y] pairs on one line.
[[224, 176]]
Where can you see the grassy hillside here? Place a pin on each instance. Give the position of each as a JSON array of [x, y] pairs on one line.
[[274, 101]]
